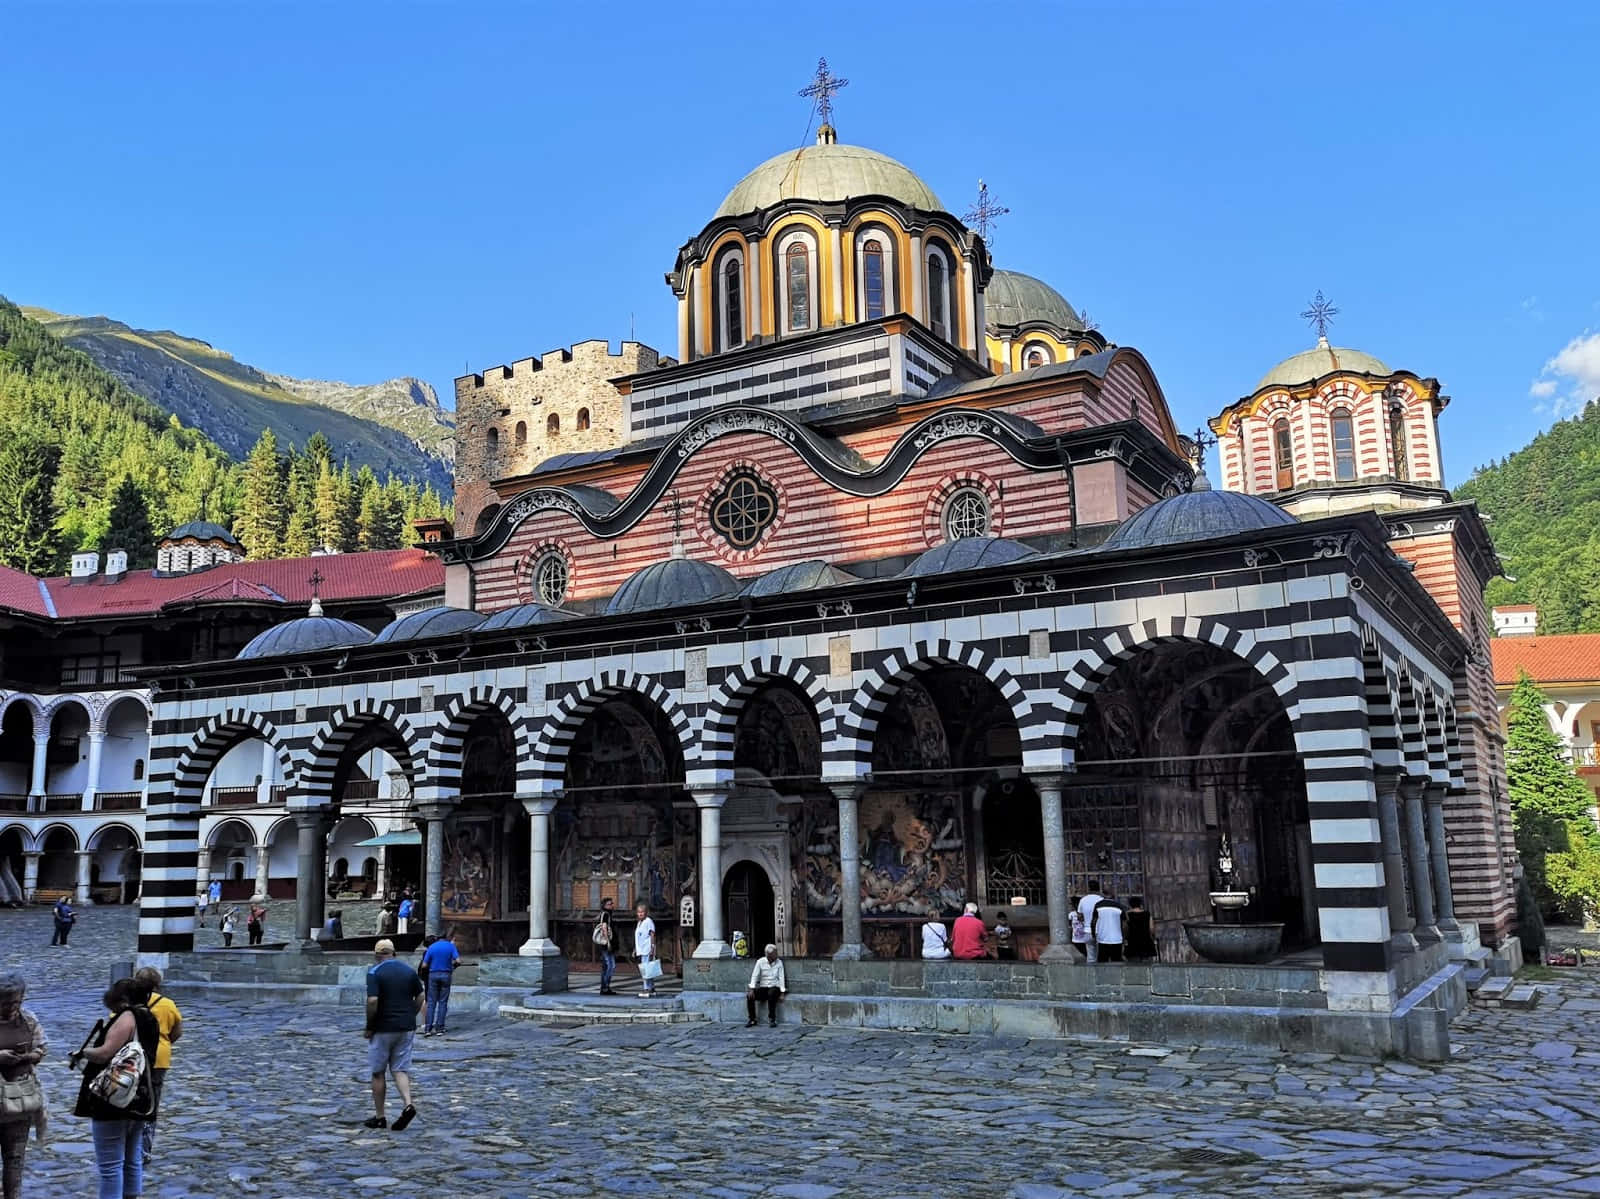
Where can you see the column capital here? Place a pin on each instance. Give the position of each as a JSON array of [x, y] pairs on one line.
[[1411, 785], [1046, 780], [41, 736], [710, 797], [1434, 792], [538, 805], [435, 811], [848, 789], [317, 818]]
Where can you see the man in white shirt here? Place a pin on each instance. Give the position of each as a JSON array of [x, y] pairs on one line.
[[1108, 930], [644, 948], [1086, 907], [766, 982]]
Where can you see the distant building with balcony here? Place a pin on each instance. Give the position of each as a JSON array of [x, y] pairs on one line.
[[75, 714], [1567, 669]]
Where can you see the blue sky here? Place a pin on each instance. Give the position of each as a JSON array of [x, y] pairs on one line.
[[361, 191]]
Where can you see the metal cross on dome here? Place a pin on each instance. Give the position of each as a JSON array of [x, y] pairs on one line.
[[316, 580], [1202, 439], [983, 215], [1320, 315], [822, 88]]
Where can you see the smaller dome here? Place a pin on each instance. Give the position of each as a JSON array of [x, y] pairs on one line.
[[671, 583], [799, 576], [303, 636], [967, 553], [203, 530], [1196, 516], [1013, 298], [523, 616], [430, 622], [1321, 360]]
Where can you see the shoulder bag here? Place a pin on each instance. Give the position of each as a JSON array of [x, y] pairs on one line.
[[23, 1097]]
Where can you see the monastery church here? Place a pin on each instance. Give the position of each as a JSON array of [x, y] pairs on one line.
[[896, 587]]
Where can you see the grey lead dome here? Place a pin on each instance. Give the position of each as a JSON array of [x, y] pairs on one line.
[[1014, 299], [1196, 516], [826, 173], [303, 636], [670, 584]]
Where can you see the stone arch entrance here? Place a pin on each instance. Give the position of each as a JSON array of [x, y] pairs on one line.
[[1184, 749], [747, 905]]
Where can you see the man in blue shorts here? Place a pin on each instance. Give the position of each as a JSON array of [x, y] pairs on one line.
[[394, 997]]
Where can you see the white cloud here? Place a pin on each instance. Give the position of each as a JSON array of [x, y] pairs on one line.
[[1571, 379]]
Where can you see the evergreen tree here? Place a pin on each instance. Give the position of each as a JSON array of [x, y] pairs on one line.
[[300, 531], [129, 526], [28, 537], [263, 515], [1556, 835]]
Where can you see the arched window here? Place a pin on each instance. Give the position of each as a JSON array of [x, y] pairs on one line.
[[730, 304], [551, 575], [1397, 438], [522, 432], [552, 424], [797, 286], [493, 441], [966, 514], [1283, 453], [583, 419], [876, 278], [1034, 354], [1344, 445], [939, 292]]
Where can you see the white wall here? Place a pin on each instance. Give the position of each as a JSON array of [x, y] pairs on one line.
[[127, 741], [70, 721]]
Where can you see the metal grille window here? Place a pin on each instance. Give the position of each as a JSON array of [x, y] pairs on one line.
[[1397, 437], [872, 277], [550, 576], [744, 509], [798, 269], [1344, 445], [733, 303], [966, 514], [1283, 449], [938, 298]]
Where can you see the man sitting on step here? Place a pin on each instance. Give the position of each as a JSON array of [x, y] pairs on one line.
[[766, 982]]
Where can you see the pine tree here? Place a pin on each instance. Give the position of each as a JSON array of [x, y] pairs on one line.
[[262, 514], [300, 531], [129, 527], [28, 537], [1556, 835]]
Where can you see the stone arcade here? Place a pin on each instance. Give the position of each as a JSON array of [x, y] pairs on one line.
[[873, 605]]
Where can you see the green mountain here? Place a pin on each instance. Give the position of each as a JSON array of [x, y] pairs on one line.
[[1544, 507], [396, 427]]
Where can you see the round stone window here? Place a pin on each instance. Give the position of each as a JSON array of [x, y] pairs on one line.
[[743, 509], [550, 576], [966, 514]]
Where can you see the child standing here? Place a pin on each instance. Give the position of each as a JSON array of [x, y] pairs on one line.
[[1005, 947], [1080, 930]]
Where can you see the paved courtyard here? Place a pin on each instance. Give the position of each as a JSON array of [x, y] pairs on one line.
[[268, 1101]]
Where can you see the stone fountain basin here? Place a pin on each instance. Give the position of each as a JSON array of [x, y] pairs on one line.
[[1230, 899], [1235, 944]]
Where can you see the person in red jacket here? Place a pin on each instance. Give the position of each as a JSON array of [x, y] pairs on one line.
[[969, 937]]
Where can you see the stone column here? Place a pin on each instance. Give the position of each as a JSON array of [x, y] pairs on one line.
[[1444, 897], [269, 761], [915, 304], [840, 266], [41, 743], [539, 944], [1401, 939], [30, 875], [311, 873], [85, 875], [263, 872], [202, 868], [713, 943], [852, 948], [1421, 866], [382, 879], [1060, 948], [97, 745], [434, 815]]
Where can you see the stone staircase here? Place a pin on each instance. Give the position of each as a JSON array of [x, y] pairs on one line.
[[1490, 990], [575, 1010]]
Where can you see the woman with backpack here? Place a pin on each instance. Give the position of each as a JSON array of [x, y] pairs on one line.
[[116, 1095], [22, 1047]]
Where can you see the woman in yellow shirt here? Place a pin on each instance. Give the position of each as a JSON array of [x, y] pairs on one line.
[[170, 1021]]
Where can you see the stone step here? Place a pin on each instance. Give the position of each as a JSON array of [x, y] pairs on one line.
[[1493, 989], [1523, 997], [1476, 976], [571, 1015]]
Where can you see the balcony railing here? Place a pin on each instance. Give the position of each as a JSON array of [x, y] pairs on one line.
[[359, 789], [232, 797], [13, 803], [64, 802], [1586, 755], [279, 794], [118, 801]]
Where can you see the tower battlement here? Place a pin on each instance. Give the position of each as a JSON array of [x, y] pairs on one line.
[[509, 418]]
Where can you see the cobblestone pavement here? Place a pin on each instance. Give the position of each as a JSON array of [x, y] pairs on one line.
[[267, 1101]]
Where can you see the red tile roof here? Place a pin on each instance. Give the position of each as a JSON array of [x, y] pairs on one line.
[[1569, 658], [381, 574], [1516, 607]]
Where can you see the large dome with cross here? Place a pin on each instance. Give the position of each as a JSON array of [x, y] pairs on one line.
[[825, 173]]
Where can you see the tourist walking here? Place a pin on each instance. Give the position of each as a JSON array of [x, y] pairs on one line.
[[1080, 927], [214, 892], [605, 937], [935, 940], [644, 951], [440, 960], [968, 936], [117, 1109], [169, 1021], [1005, 945], [202, 900], [767, 983], [388, 922], [22, 1048], [65, 918], [228, 922], [256, 925], [1086, 906], [403, 916], [394, 997], [1108, 929], [1139, 938]]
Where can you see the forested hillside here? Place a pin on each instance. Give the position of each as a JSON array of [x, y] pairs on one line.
[[1544, 505], [87, 463]]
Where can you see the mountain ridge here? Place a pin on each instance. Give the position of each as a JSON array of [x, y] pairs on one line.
[[396, 426]]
